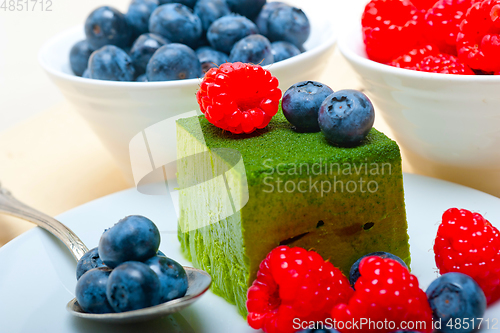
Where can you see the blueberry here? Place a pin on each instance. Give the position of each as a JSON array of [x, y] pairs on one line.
[[173, 62], [138, 15], [210, 58], [107, 26], [210, 10], [255, 49], [248, 8], [159, 253], [132, 238], [88, 261], [143, 49], [262, 19], [172, 276], [226, 31], [288, 24], [354, 272], [301, 103], [91, 291], [346, 117], [177, 23], [283, 50], [86, 74], [189, 3], [456, 296], [132, 286], [112, 64], [79, 57], [142, 78]]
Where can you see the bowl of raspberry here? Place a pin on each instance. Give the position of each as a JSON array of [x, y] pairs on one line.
[[431, 68], [126, 71]]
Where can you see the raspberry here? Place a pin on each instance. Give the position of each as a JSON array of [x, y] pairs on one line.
[[294, 283], [385, 291], [478, 42], [239, 97], [443, 23], [390, 28], [412, 58], [423, 4], [445, 64], [467, 243]]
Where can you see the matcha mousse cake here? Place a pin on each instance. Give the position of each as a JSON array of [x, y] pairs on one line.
[[240, 196]]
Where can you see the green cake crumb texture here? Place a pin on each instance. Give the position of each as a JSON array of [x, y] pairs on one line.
[[300, 192]]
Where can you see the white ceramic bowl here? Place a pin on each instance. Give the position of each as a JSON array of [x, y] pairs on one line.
[[117, 111], [447, 125]]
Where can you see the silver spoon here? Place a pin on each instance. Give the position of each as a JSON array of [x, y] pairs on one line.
[[198, 281]]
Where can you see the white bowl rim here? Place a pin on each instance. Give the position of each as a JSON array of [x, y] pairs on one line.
[[328, 43], [352, 56]]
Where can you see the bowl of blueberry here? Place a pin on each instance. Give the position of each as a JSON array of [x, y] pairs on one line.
[[127, 71], [431, 67]]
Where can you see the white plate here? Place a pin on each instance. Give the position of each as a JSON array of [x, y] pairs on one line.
[[37, 274]]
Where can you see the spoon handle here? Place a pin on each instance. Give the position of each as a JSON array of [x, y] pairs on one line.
[[12, 206]]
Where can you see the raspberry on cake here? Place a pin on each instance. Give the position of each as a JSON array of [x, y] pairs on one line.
[[385, 292], [292, 284], [239, 97], [467, 243]]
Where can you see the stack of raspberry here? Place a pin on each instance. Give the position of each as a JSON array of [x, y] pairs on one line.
[[444, 36], [295, 288]]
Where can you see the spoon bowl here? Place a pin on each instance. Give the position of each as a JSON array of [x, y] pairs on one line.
[[198, 281]]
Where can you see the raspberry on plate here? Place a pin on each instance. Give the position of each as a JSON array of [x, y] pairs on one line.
[[390, 28], [444, 64], [443, 23], [239, 97], [385, 292], [292, 284], [478, 42], [354, 271], [467, 243], [415, 56]]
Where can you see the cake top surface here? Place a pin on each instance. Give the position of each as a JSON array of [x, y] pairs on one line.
[[279, 144]]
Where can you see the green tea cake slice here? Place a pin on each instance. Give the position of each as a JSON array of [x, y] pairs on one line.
[[243, 195]]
